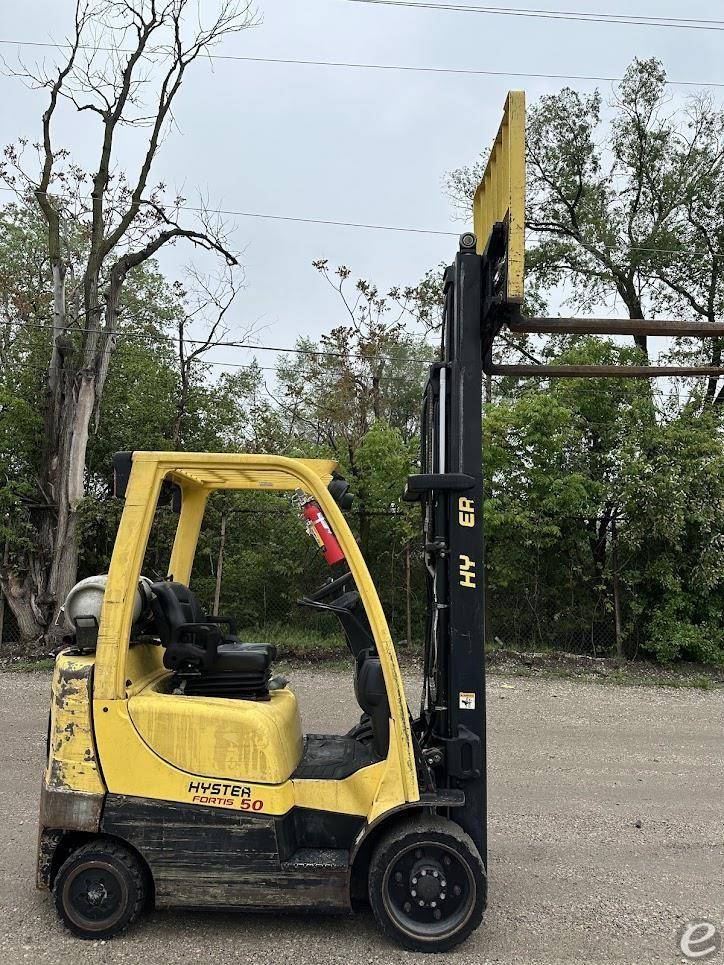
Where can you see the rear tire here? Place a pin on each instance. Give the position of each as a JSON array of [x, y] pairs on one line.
[[427, 884], [100, 889]]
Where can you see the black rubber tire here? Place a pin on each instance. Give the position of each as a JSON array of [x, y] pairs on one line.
[[433, 833], [111, 873]]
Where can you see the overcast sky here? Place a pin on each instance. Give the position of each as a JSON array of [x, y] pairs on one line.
[[354, 145]]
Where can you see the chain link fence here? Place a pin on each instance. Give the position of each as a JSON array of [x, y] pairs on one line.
[[10, 636], [255, 562]]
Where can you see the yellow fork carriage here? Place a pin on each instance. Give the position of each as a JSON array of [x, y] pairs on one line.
[[177, 771]]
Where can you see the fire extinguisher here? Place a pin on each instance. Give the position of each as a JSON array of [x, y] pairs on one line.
[[319, 530]]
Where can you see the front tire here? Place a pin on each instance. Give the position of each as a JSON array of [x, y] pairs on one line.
[[100, 889], [427, 885]]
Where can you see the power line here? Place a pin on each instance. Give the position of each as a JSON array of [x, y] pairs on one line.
[[273, 217], [681, 253], [405, 68], [285, 349], [682, 23], [251, 346]]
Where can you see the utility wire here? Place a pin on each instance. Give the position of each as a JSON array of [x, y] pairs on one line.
[[142, 338], [252, 346], [406, 68], [688, 253], [682, 23], [271, 217]]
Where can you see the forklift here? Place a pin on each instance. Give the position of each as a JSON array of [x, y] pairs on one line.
[[177, 773]]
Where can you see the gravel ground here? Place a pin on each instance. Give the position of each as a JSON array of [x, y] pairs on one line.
[[606, 814]]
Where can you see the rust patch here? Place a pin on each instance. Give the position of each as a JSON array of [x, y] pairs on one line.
[[48, 842], [70, 810], [61, 812]]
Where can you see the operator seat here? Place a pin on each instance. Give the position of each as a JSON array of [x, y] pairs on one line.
[[371, 694], [207, 661]]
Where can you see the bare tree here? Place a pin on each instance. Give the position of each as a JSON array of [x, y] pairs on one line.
[[125, 65], [200, 328]]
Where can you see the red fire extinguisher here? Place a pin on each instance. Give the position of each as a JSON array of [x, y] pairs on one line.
[[318, 528]]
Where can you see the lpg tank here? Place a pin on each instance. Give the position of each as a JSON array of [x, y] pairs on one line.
[[86, 599]]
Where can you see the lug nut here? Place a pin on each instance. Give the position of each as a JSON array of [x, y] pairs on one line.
[[442, 896], [433, 904], [423, 872], [413, 893], [435, 874], [421, 904], [414, 881], [443, 883]]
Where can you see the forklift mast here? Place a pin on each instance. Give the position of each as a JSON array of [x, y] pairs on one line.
[[453, 542], [483, 294], [450, 488]]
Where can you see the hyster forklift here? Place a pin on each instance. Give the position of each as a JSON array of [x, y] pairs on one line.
[[177, 772]]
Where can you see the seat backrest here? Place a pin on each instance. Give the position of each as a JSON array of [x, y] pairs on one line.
[[174, 607], [371, 694]]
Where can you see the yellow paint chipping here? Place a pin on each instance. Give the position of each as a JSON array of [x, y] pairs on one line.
[[72, 763]]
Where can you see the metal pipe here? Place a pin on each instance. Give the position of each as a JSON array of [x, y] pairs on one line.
[[617, 326], [442, 418], [606, 371]]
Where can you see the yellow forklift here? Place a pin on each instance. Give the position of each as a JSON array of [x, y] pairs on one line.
[[177, 772]]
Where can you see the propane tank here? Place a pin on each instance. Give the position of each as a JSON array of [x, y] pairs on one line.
[[86, 599], [319, 529]]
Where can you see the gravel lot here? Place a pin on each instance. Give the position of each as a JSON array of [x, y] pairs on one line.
[[606, 816]]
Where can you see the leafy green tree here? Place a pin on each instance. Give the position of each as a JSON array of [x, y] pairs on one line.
[[589, 491], [619, 209]]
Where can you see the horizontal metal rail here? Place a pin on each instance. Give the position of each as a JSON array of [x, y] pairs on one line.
[[605, 371], [617, 326]]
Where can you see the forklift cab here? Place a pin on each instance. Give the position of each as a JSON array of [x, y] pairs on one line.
[[177, 766], [248, 720]]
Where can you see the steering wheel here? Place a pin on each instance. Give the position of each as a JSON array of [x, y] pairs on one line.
[[346, 607], [329, 589]]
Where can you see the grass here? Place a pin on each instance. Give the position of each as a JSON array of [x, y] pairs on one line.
[[660, 677], [27, 666], [328, 650], [297, 643]]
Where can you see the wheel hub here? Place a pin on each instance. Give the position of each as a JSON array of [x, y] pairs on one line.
[[96, 894], [428, 884]]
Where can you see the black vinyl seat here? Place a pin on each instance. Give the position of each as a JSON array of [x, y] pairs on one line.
[[208, 661], [371, 694]]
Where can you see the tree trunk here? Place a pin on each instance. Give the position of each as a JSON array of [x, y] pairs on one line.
[[37, 583], [19, 596], [635, 310]]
